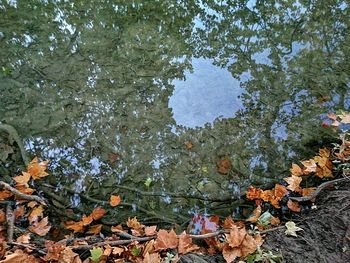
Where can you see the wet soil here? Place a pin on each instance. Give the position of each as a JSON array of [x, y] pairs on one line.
[[325, 236]]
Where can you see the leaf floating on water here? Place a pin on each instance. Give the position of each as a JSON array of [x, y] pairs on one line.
[[224, 165]]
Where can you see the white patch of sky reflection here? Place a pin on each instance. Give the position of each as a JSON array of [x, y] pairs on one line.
[[206, 94]]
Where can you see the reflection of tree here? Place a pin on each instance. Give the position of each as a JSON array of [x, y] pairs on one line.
[[91, 81], [306, 49]]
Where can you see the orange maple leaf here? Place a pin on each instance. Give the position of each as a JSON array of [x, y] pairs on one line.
[[296, 170], [166, 240], [293, 183], [151, 258], [253, 193], [37, 170], [114, 200], [134, 224], [75, 226], [22, 179], [236, 236], [87, 220], [35, 214], [98, 213], [5, 194], [310, 166]]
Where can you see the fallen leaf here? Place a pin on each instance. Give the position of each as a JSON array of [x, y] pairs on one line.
[[293, 183], [310, 166], [75, 226], [345, 117], [35, 214], [189, 145], [308, 191], [134, 224], [2, 216], [150, 230], [253, 193], [117, 228], [19, 256], [255, 215], [98, 213], [118, 251], [87, 220], [292, 229], [54, 250], [22, 179], [236, 236], [19, 211], [24, 239], [95, 229], [151, 258], [37, 169], [296, 170], [185, 244], [5, 194], [166, 240], [69, 256], [40, 228], [114, 200], [293, 206]]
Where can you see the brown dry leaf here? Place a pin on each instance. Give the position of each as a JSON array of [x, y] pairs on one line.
[[117, 228], [150, 230], [134, 224], [310, 166], [75, 226], [185, 244], [118, 251], [253, 193], [19, 211], [22, 179], [236, 236], [68, 256], [24, 189], [151, 258], [280, 191], [324, 152], [54, 250], [255, 215], [87, 220], [250, 244], [24, 239], [19, 256], [3, 248], [37, 169], [149, 247], [274, 221], [224, 165], [98, 213], [5, 194], [32, 204], [114, 200], [2, 216], [296, 170], [293, 183], [166, 240], [323, 172], [228, 223], [293, 206], [36, 213], [308, 191], [230, 254], [95, 229], [40, 228]]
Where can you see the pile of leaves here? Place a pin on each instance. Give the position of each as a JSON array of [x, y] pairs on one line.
[[27, 236]]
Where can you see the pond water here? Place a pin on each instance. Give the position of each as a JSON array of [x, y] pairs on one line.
[[148, 99]]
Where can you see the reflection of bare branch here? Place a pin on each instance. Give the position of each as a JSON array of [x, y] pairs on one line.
[[175, 195], [12, 131]]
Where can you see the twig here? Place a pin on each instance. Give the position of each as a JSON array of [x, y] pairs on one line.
[[42, 252], [23, 196], [111, 243], [318, 190], [10, 219]]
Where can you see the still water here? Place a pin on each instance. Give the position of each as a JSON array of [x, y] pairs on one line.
[[144, 98]]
